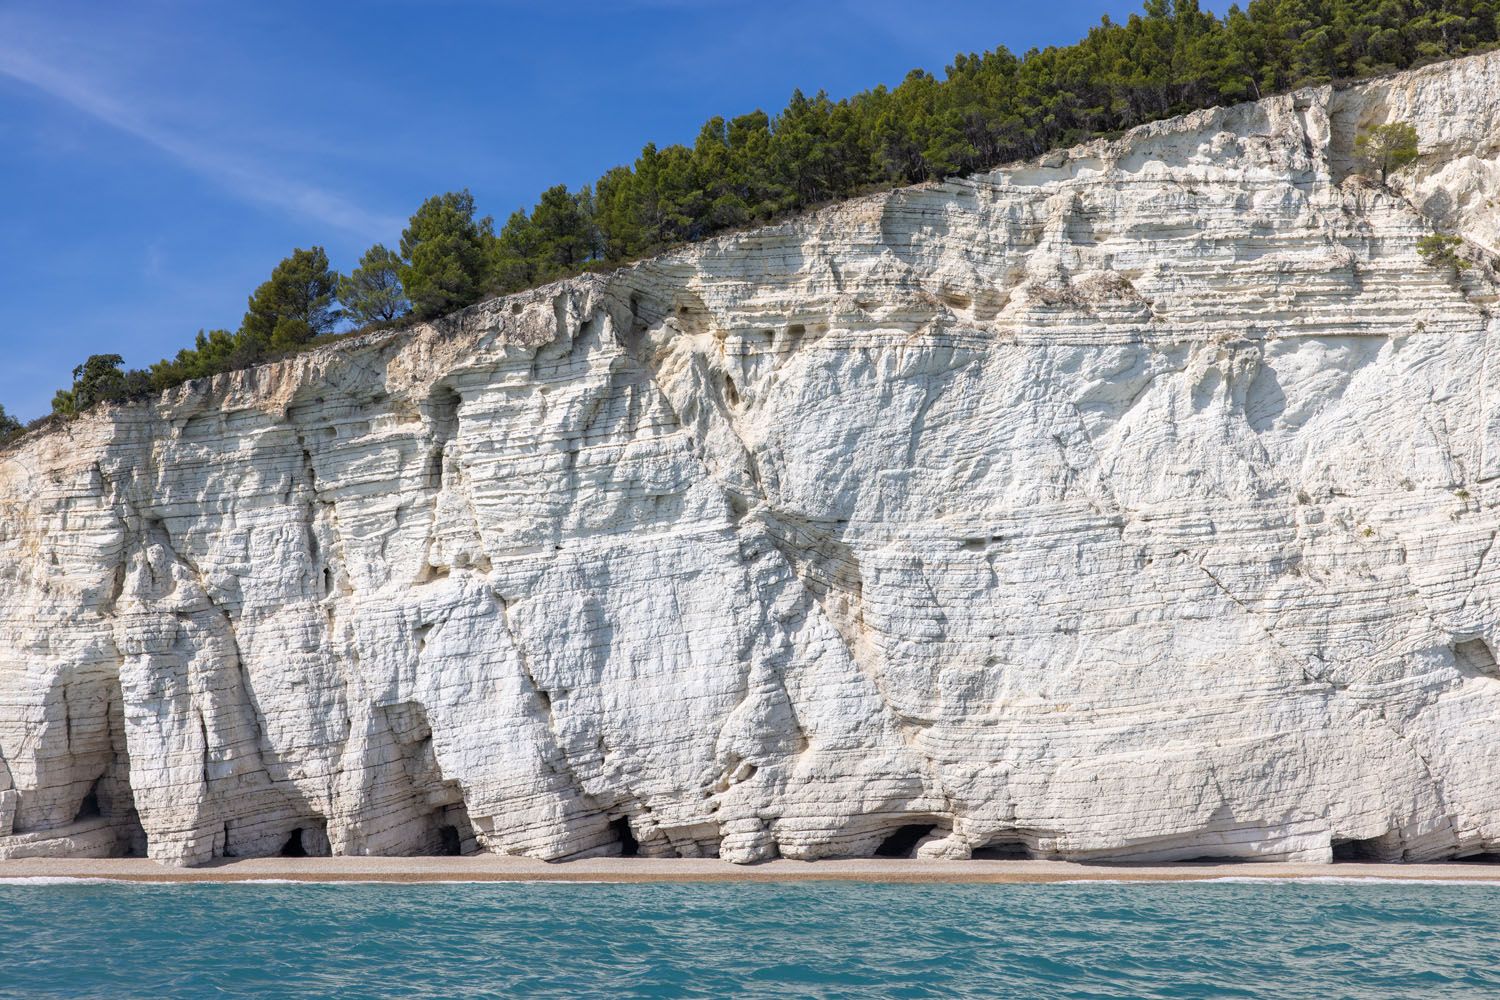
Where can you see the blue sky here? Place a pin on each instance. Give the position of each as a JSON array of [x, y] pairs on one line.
[[158, 157]]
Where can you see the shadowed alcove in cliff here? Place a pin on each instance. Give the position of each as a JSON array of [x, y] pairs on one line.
[[442, 414], [1001, 849], [902, 843], [1475, 659], [109, 798], [625, 837], [89, 807], [453, 833], [1480, 859], [309, 841], [1366, 849]]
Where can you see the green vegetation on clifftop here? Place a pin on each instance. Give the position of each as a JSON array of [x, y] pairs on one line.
[[9, 426], [986, 110]]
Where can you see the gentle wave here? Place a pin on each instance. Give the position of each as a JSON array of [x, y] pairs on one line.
[[1356, 880]]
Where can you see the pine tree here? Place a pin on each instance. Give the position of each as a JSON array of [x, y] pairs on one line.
[[564, 229], [513, 256], [617, 216], [372, 291], [446, 255], [294, 305]]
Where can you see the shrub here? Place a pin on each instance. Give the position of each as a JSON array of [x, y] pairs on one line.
[[1441, 250]]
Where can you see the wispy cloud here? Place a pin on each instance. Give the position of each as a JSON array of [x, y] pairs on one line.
[[240, 175]]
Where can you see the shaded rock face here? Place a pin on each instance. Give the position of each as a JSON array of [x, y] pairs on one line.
[[1137, 502]]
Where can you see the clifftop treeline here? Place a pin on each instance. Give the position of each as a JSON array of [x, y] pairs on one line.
[[986, 110]]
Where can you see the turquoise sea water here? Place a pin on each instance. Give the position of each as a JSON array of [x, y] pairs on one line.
[[1221, 939]]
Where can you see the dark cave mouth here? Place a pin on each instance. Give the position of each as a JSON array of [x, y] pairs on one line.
[[629, 846], [294, 846], [902, 842], [89, 808], [1003, 850], [1368, 849]]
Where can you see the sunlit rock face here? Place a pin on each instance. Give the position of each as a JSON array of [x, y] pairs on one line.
[[1137, 502]]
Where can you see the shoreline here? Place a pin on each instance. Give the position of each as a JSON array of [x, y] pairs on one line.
[[500, 868]]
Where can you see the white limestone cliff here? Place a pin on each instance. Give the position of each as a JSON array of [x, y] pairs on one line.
[[1136, 502]]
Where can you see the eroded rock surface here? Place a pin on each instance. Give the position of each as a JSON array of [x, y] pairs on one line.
[[1137, 502]]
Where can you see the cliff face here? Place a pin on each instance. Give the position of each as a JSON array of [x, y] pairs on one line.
[[1135, 502]]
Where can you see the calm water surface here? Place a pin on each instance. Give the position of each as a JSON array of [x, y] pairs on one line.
[[1222, 939]]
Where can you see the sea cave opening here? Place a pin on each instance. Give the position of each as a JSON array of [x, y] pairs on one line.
[[1368, 849], [450, 841], [89, 807], [903, 842], [629, 846], [1002, 850], [294, 847]]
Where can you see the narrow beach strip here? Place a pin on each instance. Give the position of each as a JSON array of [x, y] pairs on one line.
[[498, 868]]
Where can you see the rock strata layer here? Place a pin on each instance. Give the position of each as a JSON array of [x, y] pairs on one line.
[[1135, 502]]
